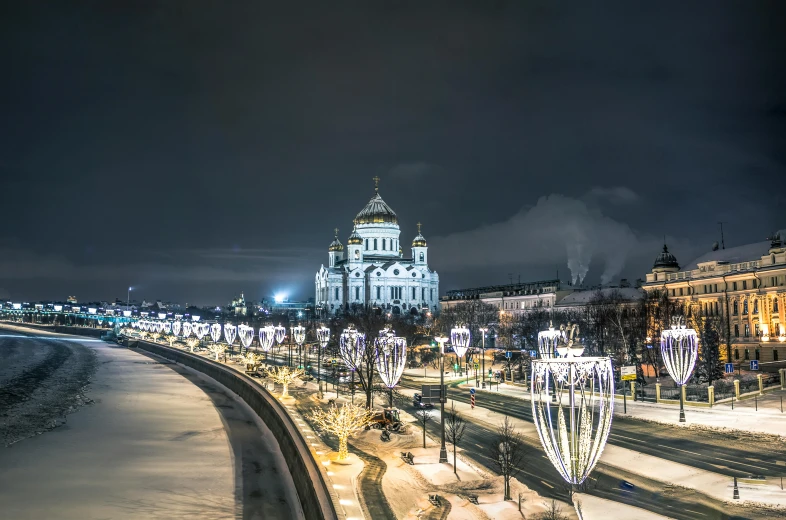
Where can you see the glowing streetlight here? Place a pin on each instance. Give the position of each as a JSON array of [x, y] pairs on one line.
[[574, 444], [299, 335], [483, 331], [678, 346]]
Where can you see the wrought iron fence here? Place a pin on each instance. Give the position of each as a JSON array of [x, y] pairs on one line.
[[771, 380], [670, 392], [723, 390], [697, 393], [749, 385]]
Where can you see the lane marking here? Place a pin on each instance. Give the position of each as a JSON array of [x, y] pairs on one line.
[[547, 484]]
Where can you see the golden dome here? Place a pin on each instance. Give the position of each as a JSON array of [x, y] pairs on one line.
[[420, 240], [336, 245], [376, 212], [354, 239]]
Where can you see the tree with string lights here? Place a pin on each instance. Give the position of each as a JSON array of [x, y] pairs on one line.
[[284, 376], [343, 422]]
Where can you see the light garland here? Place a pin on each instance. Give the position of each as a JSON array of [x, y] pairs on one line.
[[187, 329], [390, 357], [323, 336], [230, 331], [281, 333], [215, 332], [352, 347], [574, 444], [246, 334], [459, 339], [217, 349], [284, 376], [167, 328], [200, 329], [679, 349], [176, 327], [267, 335], [299, 334]]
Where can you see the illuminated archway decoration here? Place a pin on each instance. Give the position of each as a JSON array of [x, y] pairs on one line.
[[281, 333], [187, 329], [167, 328], [573, 434], [352, 347], [200, 329], [390, 357], [176, 328], [299, 334]]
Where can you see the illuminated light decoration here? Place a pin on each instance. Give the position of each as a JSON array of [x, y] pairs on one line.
[[246, 334], [584, 392], [187, 329], [160, 327], [351, 347], [281, 333], [161, 315], [343, 422], [100, 320], [548, 341], [781, 332], [192, 342], [323, 336], [167, 328], [765, 332], [284, 376], [230, 331], [679, 348], [176, 326], [195, 318], [126, 314], [155, 336], [391, 358], [215, 332], [92, 310], [299, 334], [199, 330], [145, 325], [459, 338], [267, 335], [59, 308], [217, 349]]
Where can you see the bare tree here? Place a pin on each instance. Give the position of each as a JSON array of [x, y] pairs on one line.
[[553, 512], [424, 415], [455, 425], [507, 453]]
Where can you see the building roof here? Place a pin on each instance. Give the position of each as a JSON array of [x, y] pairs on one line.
[[665, 259], [584, 297], [375, 212], [732, 255]]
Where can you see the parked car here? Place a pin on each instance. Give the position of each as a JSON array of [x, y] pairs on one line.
[[417, 402]]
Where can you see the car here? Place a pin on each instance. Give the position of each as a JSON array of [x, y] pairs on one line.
[[417, 402], [626, 486]]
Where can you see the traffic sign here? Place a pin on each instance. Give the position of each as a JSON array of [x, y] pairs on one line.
[[754, 364], [508, 354], [628, 373], [729, 368], [471, 391]]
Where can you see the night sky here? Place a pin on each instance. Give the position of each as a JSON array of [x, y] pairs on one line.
[[194, 150]]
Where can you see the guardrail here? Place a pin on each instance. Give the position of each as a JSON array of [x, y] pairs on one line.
[[306, 472]]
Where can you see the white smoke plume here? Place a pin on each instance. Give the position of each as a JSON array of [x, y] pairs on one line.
[[557, 230]]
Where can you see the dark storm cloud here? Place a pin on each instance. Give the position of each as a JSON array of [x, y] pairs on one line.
[[133, 134]]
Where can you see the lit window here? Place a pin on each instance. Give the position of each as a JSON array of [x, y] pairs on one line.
[[747, 332]]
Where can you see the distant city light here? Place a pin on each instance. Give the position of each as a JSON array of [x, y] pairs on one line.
[[280, 298]]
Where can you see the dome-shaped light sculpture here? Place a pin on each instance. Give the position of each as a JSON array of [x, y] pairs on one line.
[[390, 358], [246, 335], [167, 328], [678, 346], [267, 335], [281, 333], [230, 331], [187, 329], [548, 341], [215, 332], [352, 348], [459, 339], [575, 433], [323, 337], [176, 328]]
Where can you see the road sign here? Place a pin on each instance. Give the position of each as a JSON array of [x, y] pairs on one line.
[[431, 393], [471, 391], [729, 368], [754, 364], [477, 365], [508, 354], [628, 373], [472, 401]]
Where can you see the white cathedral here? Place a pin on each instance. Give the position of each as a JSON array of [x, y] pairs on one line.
[[371, 271]]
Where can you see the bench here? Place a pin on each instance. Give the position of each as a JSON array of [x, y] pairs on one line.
[[433, 499], [408, 458], [473, 499]]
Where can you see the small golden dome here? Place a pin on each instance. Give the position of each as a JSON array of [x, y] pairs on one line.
[[336, 245]]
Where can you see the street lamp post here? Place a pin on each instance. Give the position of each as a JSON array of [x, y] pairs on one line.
[[128, 298], [483, 331], [459, 338], [323, 335], [443, 452], [678, 347]]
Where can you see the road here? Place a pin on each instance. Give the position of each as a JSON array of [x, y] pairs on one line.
[[725, 454]]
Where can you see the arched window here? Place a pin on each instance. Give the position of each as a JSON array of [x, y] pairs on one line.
[[375, 244], [736, 308], [422, 256], [755, 306]]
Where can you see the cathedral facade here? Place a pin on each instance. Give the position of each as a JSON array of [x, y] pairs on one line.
[[371, 272]]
